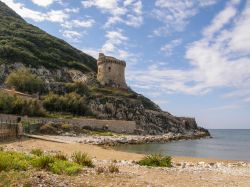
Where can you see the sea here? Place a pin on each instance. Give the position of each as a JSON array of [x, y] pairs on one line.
[[228, 144]]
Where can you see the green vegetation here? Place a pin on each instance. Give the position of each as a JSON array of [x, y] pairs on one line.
[[37, 152], [72, 103], [43, 162], [77, 87], [156, 160], [82, 159], [13, 161], [17, 105], [60, 156], [57, 164], [23, 80], [23, 42], [115, 92], [65, 167]]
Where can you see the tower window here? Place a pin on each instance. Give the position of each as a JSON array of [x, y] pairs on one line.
[[109, 69]]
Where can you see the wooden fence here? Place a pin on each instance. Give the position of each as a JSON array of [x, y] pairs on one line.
[[8, 129]]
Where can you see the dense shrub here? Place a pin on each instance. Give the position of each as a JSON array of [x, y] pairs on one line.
[[77, 87], [43, 162], [13, 161], [156, 160], [17, 105], [48, 128], [23, 80], [65, 167], [21, 161], [60, 156], [37, 152], [56, 165], [72, 103], [82, 159], [6, 103]]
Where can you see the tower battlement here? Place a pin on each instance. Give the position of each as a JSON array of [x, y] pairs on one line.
[[111, 71]]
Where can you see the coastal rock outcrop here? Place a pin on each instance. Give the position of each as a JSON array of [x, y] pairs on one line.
[[148, 121]]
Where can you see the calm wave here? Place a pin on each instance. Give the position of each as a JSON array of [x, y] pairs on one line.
[[225, 144]]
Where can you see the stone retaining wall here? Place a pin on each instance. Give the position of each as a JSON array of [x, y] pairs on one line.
[[118, 126]]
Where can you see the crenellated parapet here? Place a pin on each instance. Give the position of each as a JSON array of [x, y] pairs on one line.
[[109, 59]]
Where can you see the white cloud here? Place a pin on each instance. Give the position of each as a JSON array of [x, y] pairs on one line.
[[176, 14], [226, 107], [128, 12], [52, 16], [221, 19], [87, 23], [91, 51], [23, 11], [114, 39], [221, 61], [72, 35], [56, 16], [168, 48], [102, 4], [43, 3], [116, 44], [72, 10]]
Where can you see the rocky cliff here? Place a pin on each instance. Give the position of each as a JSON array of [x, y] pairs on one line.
[[148, 121]]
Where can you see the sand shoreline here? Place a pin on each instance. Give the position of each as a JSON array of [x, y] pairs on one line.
[[186, 171], [97, 151]]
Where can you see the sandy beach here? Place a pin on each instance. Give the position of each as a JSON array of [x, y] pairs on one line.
[[186, 171]]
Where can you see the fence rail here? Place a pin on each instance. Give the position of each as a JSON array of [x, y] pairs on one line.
[[8, 129]]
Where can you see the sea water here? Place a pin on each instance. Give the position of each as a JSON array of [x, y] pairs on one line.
[[226, 144]]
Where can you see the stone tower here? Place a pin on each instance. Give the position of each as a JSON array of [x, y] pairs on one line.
[[111, 71]]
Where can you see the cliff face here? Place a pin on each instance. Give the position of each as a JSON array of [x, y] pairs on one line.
[[148, 121]]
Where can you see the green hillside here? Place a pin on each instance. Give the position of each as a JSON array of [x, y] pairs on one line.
[[23, 42]]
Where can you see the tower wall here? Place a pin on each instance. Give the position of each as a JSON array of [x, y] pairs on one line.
[[111, 71]]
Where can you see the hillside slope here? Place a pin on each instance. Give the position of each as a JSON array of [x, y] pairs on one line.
[[24, 43]]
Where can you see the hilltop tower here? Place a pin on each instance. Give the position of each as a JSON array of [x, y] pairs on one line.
[[111, 71]]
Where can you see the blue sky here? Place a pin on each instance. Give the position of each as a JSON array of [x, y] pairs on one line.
[[192, 57]]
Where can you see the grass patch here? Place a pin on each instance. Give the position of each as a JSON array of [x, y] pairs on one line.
[[43, 162], [112, 92], [156, 160], [65, 167], [58, 164], [14, 178], [60, 156], [13, 161], [37, 152], [82, 159]]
